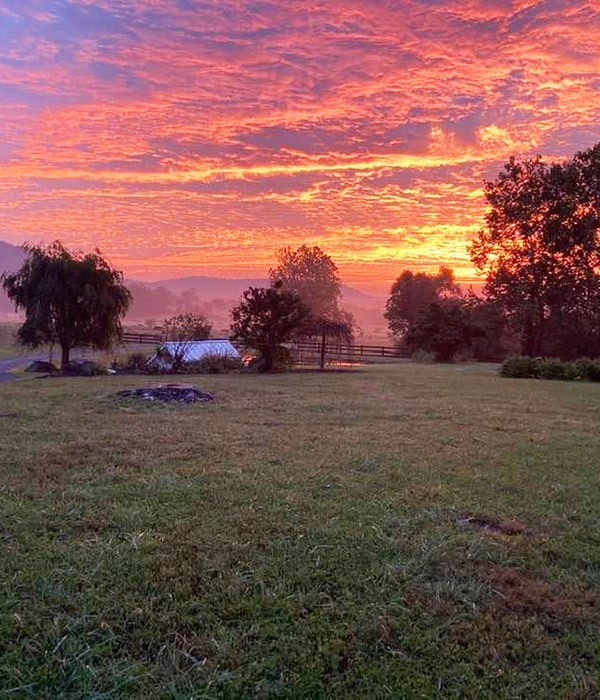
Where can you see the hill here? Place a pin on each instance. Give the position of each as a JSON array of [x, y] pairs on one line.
[[221, 288]]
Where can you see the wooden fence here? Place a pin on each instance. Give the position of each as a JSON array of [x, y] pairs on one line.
[[130, 337], [308, 351]]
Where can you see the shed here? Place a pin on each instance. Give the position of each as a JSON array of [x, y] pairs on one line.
[[192, 351]]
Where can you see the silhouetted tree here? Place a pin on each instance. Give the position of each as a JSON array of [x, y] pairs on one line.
[[540, 251], [493, 339], [445, 328], [267, 318], [313, 276], [68, 298], [412, 293]]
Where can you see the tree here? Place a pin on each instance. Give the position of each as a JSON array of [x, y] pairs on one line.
[[267, 318], [412, 293], [445, 328], [323, 330], [313, 276], [540, 250], [187, 327], [493, 339], [69, 298]]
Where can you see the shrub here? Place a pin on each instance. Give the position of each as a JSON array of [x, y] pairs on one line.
[[214, 364], [137, 362], [553, 368], [588, 369], [520, 367]]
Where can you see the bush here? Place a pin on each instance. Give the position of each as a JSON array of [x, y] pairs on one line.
[[136, 362], [520, 368], [552, 368], [588, 369], [214, 364]]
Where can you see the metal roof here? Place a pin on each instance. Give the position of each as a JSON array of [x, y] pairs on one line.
[[193, 351]]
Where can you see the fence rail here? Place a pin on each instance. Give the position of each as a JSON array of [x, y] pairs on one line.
[[348, 351], [143, 338], [332, 350]]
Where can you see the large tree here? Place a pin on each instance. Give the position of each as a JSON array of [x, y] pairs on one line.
[[540, 251], [313, 276], [68, 298], [444, 328], [267, 318], [412, 293]]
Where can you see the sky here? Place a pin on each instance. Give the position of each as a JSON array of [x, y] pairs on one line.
[[187, 137]]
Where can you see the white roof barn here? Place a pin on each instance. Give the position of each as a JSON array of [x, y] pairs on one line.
[[192, 351]]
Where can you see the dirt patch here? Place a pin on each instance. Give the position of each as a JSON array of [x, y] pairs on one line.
[[525, 593], [168, 393], [494, 525]]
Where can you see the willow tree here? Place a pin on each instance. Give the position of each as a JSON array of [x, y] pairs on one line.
[[69, 298]]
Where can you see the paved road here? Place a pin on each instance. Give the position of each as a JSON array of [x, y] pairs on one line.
[[13, 362]]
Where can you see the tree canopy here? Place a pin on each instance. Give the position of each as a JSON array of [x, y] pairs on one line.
[[266, 318], [313, 276], [412, 293], [68, 298], [444, 328], [540, 251]]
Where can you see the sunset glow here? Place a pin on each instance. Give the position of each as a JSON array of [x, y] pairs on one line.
[[196, 137]]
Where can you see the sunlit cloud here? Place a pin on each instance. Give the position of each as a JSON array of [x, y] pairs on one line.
[[174, 134]]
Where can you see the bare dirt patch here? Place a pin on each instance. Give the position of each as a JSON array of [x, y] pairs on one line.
[[525, 593]]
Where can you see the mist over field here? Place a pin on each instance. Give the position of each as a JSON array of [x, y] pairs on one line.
[[213, 297]]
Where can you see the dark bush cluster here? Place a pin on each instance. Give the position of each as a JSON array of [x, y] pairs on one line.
[[582, 369], [213, 364]]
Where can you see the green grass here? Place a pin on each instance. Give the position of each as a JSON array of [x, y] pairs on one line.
[[298, 538]]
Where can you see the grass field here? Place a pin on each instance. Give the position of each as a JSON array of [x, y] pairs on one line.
[[302, 537]]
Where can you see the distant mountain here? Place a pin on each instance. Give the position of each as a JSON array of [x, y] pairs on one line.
[[220, 288]]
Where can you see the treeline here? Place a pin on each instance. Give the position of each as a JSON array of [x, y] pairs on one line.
[[157, 303], [540, 253]]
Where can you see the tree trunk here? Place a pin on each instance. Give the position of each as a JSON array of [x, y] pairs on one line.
[[269, 358], [64, 363]]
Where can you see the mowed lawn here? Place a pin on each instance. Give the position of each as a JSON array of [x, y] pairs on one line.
[[304, 536]]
